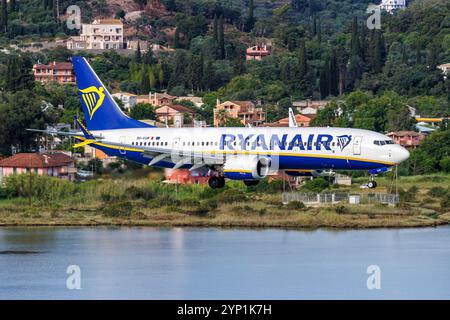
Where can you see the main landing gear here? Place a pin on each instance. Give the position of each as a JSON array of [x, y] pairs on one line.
[[216, 182]]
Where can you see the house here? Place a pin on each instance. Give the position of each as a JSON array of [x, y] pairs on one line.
[[445, 68], [61, 72], [156, 99], [245, 111], [184, 176], [392, 5], [174, 114], [133, 45], [257, 52], [76, 43], [302, 121], [51, 163], [407, 139], [309, 107], [129, 100], [93, 153], [100, 34], [196, 101]]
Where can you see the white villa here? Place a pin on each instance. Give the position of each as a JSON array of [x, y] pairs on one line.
[[391, 5], [100, 34]]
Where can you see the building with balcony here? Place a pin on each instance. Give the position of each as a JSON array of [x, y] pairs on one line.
[[309, 107], [50, 163], [407, 139], [175, 115], [61, 72], [392, 5], [156, 99], [128, 100], [245, 111], [101, 34], [256, 52]]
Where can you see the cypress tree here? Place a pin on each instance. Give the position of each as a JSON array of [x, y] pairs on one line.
[[404, 55], [4, 15], [221, 39], [363, 43], [12, 5], [334, 74], [324, 81], [377, 54], [250, 22], [137, 54], [215, 29], [354, 43], [319, 30], [302, 65]]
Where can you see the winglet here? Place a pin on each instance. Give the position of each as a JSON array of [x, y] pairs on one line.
[[292, 120], [87, 134]]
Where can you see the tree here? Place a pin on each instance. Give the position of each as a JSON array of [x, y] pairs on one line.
[[216, 29], [143, 111], [302, 66], [12, 5], [221, 39], [4, 15], [18, 74], [138, 54], [250, 21], [354, 43], [22, 110]]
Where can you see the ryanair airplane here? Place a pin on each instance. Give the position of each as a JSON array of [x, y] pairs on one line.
[[248, 154]]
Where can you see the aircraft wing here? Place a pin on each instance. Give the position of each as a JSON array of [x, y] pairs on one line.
[[62, 133], [156, 154]]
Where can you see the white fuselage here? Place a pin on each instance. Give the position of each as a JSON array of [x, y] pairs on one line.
[[296, 148]]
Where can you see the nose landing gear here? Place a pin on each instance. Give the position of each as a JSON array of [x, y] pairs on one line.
[[372, 184]]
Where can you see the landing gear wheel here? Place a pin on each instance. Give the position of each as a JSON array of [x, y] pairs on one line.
[[216, 182], [222, 182], [372, 184], [250, 183]]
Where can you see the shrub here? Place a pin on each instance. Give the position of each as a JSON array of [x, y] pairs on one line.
[[117, 209], [341, 209], [139, 193], [296, 205], [436, 192], [316, 185], [445, 202], [231, 196]]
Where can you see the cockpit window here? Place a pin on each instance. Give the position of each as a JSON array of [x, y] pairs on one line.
[[383, 142]]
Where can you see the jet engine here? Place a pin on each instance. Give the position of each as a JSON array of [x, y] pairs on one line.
[[246, 167]]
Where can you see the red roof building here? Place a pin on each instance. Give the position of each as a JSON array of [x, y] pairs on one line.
[[407, 139], [184, 176], [174, 114], [256, 52], [302, 121], [61, 72], [54, 164]]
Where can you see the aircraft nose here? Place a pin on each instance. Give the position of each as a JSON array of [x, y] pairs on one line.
[[401, 154]]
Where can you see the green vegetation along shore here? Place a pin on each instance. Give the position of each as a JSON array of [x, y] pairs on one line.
[[425, 201]]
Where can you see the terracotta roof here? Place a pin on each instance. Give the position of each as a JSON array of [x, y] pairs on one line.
[[175, 107], [108, 21], [55, 65], [403, 133], [36, 160]]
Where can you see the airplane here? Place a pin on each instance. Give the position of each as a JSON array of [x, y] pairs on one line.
[[248, 154]]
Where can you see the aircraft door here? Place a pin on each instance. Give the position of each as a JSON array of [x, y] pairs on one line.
[[357, 145], [122, 140]]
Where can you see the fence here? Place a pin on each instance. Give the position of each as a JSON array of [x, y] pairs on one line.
[[334, 198]]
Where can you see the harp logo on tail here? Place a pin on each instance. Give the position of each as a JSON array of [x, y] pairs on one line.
[[93, 98], [344, 141]]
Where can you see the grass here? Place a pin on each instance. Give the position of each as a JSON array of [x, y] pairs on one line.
[[149, 203]]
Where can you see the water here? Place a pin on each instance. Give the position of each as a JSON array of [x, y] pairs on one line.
[[179, 263]]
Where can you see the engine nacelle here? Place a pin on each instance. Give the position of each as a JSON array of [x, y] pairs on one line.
[[246, 167]]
